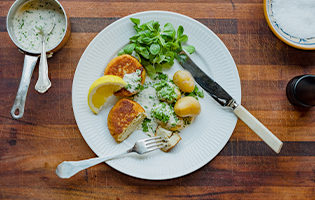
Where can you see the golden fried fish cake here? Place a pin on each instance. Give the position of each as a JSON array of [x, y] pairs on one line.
[[121, 65], [123, 118]]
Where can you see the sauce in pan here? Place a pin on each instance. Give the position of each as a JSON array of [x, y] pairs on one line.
[[40, 14]]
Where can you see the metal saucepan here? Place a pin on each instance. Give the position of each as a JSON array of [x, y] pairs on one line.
[[31, 56]]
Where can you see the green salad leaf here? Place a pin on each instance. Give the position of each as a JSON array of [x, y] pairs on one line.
[[156, 48]]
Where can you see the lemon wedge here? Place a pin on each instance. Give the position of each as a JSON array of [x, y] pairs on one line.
[[103, 88]]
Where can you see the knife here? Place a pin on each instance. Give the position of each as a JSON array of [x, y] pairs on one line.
[[225, 100]]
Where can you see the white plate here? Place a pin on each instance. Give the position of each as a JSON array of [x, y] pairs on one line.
[[201, 141]]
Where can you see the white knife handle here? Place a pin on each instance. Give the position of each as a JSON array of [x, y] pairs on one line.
[[271, 140]]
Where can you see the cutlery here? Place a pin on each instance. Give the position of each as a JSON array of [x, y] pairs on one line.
[[69, 168], [225, 100], [43, 83]]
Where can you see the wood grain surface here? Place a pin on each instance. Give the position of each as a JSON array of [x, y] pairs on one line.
[[246, 168]]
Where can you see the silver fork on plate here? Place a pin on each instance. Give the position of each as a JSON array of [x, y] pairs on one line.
[[67, 169]]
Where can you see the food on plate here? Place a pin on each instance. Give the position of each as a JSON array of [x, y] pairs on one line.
[[39, 14], [167, 91], [184, 81], [124, 118], [101, 89], [160, 111], [180, 124], [195, 93], [164, 112], [123, 65], [152, 102], [155, 104], [170, 138], [156, 48], [187, 107]]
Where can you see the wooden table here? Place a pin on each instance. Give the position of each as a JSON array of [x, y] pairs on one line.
[[32, 147]]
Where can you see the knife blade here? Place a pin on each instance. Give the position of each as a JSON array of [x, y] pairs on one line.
[[226, 100]]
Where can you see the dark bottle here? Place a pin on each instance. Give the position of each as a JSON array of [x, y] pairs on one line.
[[301, 90]]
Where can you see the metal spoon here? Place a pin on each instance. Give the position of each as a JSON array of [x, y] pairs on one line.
[[43, 83]]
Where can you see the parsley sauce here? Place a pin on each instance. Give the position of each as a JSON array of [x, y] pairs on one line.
[[133, 81], [149, 100], [39, 13]]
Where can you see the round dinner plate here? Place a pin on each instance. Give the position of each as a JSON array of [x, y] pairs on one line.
[[201, 141]]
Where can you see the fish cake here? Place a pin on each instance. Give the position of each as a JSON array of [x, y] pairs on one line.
[[124, 118], [121, 65]]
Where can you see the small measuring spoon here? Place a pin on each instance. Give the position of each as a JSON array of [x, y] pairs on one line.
[[43, 83]]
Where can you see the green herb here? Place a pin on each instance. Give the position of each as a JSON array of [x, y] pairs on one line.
[[163, 112], [139, 87], [145, 123], [160, 112], [162, 76], [165, 91], [195, 93], [39, 27], [156, 48], [128, 86], [187, 120]]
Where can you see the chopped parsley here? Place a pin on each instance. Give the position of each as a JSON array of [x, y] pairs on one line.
[[195, 93], [166, 91], [163, 112], [162, 76], [145, 124]]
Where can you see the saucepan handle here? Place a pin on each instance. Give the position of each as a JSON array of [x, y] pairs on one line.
[[17, 110], [271, 140]]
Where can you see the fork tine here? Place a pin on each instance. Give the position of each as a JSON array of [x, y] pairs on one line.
[[155, 145], [153, 142], [151, 138], [153, 149]]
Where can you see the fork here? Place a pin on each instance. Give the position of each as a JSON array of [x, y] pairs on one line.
[[67, 169]]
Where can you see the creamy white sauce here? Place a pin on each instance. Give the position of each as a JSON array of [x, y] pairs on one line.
[[39, 13], [133, 81], [149, 100]]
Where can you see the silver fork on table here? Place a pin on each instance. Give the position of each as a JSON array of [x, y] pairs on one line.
[[67, 169]]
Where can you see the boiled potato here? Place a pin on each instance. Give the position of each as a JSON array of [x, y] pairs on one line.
[[184, 81], [187, 107]]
